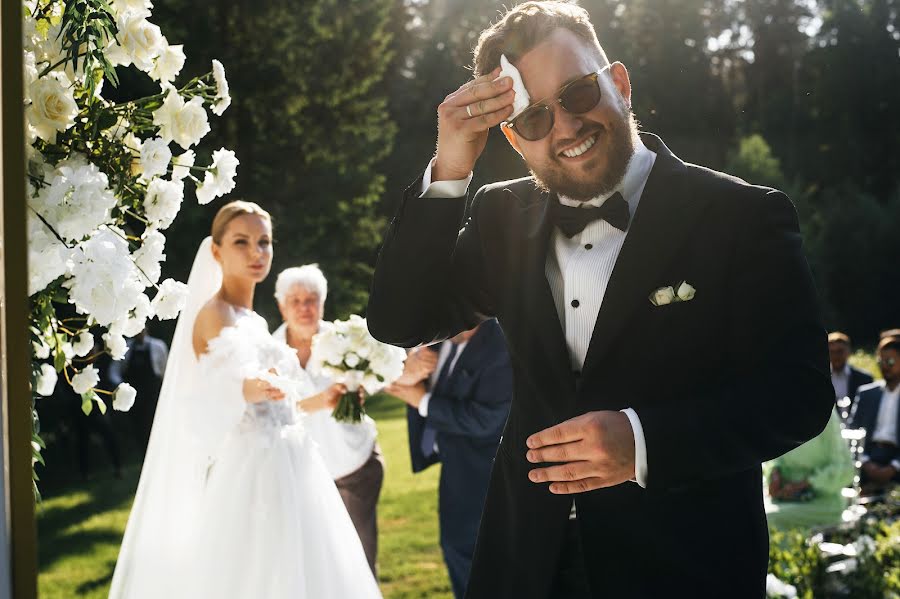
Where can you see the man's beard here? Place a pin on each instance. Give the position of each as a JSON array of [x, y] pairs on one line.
[[622, 135]]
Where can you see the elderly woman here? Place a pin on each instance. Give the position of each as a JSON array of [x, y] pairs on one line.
[[350, 451]]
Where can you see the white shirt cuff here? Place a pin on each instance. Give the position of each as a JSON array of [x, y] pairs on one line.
[[640, 448], [443, 189], [423, 405], [896, 465]]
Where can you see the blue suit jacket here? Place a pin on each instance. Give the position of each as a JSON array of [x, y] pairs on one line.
[[865, 411], [468, 414]]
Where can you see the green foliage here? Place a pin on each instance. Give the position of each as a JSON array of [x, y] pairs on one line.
[[754, 162], [796, 561]]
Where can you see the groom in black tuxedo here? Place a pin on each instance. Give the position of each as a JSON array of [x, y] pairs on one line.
[[635, 292]]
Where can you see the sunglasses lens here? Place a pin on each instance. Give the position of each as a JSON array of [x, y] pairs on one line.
[[581, 96], [535, 123]]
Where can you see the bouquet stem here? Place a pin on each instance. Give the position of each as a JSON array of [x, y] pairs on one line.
[[349, 408]]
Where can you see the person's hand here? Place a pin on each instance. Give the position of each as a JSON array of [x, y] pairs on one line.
[[410, 394], [419, 365], [258, 391], [462, 135], [591, 451], [881, 474], [324, 400]]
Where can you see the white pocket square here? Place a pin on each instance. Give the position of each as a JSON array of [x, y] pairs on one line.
[[683, 292]]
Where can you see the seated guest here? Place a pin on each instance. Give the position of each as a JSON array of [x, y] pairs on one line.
[[349, 450], [458, 402], [845, 379], [876, 410], [805, 484]]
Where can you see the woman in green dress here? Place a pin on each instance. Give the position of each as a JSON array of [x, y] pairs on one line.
[[805, 484]]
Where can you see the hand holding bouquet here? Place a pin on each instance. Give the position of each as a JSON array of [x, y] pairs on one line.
[[348, 354]]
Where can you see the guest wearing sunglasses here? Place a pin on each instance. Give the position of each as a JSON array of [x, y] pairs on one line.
[[614, 259], [877, 409]]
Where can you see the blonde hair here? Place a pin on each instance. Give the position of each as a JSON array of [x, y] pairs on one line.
[[231, 211]]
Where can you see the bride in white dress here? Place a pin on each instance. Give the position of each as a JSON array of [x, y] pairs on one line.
[[233, 501]]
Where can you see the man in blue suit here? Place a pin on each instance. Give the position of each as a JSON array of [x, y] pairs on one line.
[[456, 416], [876, 409]]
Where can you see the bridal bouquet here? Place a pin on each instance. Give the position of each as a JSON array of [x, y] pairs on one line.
[[348, 354]]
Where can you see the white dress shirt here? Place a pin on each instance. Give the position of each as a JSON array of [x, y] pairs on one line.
[[432, 380], [580, 268], [840, 380], [886, 424], [345, 447]]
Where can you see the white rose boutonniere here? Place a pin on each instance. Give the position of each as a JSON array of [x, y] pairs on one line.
[[686, 291], [682, 292]]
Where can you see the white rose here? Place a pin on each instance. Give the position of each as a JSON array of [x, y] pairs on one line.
[[40, 349], [185, 123], [148, 257], [181, 165], [116, 345], [663, 296], [124, 397], [30, 74], [170, 299], [141, 40], [121, 7], [219, 179], [83, 345], [48, 259], [351, 360], [85, 380], [53, 106], [46, 380], [223, 97], [686, 292], [169, 63], [163, 201], [155, 157]]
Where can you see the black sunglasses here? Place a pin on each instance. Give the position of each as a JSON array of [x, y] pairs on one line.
[[577, 97]]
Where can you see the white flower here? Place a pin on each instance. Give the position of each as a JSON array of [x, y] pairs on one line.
[[163, 201], [219, 180], [53, 106], [169, 62], [185, 123], [85, 380], [170, 299], [136, 320], [223, 98], [686, 292], [104, 281], [778, 588], [155, 157], [865, 545], [121, 7], [181, 165], [40, 349], [148, 257], [663, 296], [116, 345], [83, 345], [124, 397], [77, 199], [48, 258], [139, 41], [30, 74], [351, 360], [46, 380]]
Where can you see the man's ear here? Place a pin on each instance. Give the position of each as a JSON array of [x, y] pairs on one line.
[[511, 138], [620, 79]]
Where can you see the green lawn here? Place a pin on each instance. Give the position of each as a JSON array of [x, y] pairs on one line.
[[80, 525]]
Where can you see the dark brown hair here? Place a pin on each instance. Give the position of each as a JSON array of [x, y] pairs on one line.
[[525, 26]]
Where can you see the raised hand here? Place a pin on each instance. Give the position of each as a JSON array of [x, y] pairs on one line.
[[419, 365], [464, 118], [591, 451]]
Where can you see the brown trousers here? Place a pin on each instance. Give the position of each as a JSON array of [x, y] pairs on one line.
[[360, 490]]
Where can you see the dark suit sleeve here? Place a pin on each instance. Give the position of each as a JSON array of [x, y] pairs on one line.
[[482, 412], [857, 412], [430, 280], [777, 393]]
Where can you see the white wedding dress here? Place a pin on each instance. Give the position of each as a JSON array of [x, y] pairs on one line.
[[234, 501]]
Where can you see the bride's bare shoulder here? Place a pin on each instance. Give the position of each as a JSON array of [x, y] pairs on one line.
[[214, 316]]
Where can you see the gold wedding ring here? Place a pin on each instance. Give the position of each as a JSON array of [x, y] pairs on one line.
[[469, 110]]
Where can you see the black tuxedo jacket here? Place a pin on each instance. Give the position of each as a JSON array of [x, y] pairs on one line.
[[857, 379], [732, 378]]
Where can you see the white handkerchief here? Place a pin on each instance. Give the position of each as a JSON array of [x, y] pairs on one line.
[[522, 99]]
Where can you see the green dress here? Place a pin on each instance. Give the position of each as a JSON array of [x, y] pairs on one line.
[[826, 464]]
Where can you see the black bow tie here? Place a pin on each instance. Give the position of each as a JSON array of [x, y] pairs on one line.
[[572, 221]]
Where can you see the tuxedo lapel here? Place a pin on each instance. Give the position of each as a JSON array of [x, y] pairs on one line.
[[665, 217], [540, 309]]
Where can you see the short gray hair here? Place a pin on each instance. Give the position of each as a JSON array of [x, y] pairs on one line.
[[308, 276]]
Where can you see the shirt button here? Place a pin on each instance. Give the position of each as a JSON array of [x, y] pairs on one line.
[[588, 246], [575, 303]]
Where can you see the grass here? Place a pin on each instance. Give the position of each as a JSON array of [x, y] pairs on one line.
[[80, 525]]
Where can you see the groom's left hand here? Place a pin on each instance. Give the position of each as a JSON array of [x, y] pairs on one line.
[[591, 451]]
